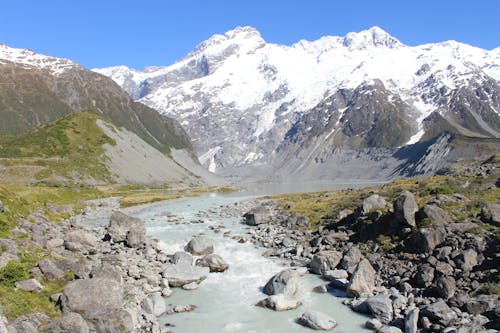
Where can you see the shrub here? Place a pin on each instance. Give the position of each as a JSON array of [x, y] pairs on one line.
[[13, 272]]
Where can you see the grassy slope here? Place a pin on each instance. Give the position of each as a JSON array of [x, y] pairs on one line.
[[71, 147]]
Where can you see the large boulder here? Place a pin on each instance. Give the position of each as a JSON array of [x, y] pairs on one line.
[[181, 274], [351, 259], [108, 271], [373, 202], [29, 285], [426, 240], [433, 214], [324, 261], [114, 320], [491, 214], [446, 287], [70, 322], [181, 257], [411, 321], [128, 229], [285, 282], [92, 295], [50, 269], [439, 313], [317, 321], [380, 306], [214, 262], [200, 246], [467, 260], [279, 302], [257, 215], [362, 280], [154, 304], [405, 208], [424, 275], [80, 241]]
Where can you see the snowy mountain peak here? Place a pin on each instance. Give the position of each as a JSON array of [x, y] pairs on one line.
[[29, 58], [374, 36]]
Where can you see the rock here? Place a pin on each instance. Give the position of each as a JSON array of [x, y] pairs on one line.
[[91, 295], [317, 321], [80, 241], [181, 274], [55, 298], [70, 322], [279, 303], [482, 304], [23, 325], [114, 320], [491, 214], [324, 261], [50, 270], [373, 202], [29, 285], [446, 286], [53, 243], [181, 257], [128, 229], [191, 286], [351, 259], [373, 324], [285, 282], [335, 274], [257, 215], [155, 305], [362, 280], [9, 246], [405, 208], [444, 268], [107, 271], [81, 268], [440, 313], [467, 260], [200, 245], [434, 214], [424, 275], [321, 289], [380, 306], [181, 309], [340, 284], [411, 321], [426, 240], [389, 329], [214, 262]]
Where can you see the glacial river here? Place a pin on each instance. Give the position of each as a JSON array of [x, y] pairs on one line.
[[226, 301]]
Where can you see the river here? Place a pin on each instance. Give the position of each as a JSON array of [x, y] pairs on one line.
[[226, 301]]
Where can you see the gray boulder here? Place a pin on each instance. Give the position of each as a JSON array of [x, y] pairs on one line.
[[50, 269], [70, 322], [181, 274], [440, 313], [154, 304], [491, 214], [426, 240], [285, 282], [405, 208], [107, 271], [335, 274], [317, 321], [113, 320], [424, 275], [29, 285], [257, 215], [411, 321], [389, 329], [80, 241], [434, 214], [467, 260], [380, 306], [362, 280], [373, 324], [128, 229], [214, 262], [446, 287], [373, 202], [200, 245], [92, 295], [351, 259], [181, 257], [324, 261], [279, 302]]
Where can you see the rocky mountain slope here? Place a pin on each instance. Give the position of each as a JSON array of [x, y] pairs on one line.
[[36, 90], [247, 103]]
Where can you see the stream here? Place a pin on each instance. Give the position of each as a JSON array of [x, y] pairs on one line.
[[226, 301]]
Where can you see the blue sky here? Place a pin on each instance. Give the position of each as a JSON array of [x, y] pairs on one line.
[[99, 33]]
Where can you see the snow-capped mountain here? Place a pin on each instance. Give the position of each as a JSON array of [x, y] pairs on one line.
[[245, 102]]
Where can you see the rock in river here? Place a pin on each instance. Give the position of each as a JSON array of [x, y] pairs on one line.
[[181, 274], [317, 320], [200, 245]]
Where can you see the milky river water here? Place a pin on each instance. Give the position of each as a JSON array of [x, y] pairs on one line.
[[226, 301]]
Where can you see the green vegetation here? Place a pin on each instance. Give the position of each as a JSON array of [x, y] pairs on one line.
[[12, 272], [71, 148]]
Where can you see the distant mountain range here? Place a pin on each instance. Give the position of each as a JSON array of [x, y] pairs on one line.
[[352, 106], [37, 92]]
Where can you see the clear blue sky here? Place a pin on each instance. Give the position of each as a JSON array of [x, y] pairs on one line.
[[99, 33]]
